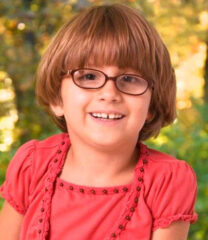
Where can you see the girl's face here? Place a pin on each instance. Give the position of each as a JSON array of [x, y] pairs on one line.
[[79, 105]]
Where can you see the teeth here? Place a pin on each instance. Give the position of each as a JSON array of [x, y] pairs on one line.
[[111, 116], [107, 116], [104, 115]]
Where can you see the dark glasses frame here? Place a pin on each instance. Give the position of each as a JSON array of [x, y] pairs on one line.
[[72, 72]]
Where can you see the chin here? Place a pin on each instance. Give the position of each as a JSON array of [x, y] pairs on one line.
[[107, 142]]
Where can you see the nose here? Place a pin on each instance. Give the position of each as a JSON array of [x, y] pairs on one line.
[[109, 92]]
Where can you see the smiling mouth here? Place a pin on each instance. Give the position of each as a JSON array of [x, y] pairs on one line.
[[107, 116]]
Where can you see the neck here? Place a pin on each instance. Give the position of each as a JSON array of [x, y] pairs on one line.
[[99, 167]]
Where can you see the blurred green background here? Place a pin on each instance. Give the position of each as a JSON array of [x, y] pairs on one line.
[[26, 27]]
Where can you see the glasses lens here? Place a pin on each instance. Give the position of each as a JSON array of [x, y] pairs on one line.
[[88, 78], [131, 84]]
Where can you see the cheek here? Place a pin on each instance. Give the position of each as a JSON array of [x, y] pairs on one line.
[[74, 102], [140, 113]]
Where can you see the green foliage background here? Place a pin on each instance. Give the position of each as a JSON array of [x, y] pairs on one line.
[[20, 50]]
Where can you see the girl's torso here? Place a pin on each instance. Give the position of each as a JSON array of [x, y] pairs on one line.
[[56, 209]]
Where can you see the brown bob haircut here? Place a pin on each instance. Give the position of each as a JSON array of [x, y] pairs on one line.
[[110, 35]]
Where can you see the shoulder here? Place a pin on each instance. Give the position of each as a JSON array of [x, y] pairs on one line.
[[45, 151], [170, 188], [32, 151], [51, 142], [28, 166], [33, 156], [157, 157], [166, 172], [166, 176], [37, 149], [161, 164], [34, 144], [26, 153]]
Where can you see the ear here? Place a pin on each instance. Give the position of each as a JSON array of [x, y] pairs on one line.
[[57, 110]]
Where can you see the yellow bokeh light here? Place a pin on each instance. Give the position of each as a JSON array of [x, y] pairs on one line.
[[74, 1], [189, 78], [3, 75], [6, 95], [7, 124], [21, 26], [203, 18], [7, 121]]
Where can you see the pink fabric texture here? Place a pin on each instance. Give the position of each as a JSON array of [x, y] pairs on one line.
[[163, 191]]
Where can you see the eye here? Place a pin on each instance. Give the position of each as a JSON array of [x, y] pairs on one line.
[[128, 78], [86, 75], [89, 76], [132, 81]]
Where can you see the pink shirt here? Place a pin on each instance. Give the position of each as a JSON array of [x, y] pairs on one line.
[[163, 191]]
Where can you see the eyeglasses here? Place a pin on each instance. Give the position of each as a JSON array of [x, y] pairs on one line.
[[93, 79]]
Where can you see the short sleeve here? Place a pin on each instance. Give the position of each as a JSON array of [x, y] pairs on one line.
[[16, 186], [175, 196]]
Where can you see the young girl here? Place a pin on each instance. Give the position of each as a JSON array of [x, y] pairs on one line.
[[107, 81]]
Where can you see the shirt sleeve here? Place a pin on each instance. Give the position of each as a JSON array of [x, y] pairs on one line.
[[16, 186], [174, 196]]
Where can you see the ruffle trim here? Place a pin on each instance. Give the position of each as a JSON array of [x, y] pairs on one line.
[[10, 200], [132, 198], [165, 222], [62, 184], [55, 168]]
